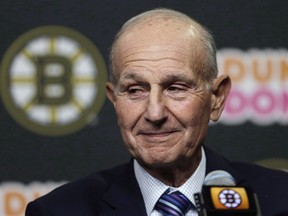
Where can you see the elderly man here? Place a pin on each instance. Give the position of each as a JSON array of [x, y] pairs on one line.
[[165, 88]]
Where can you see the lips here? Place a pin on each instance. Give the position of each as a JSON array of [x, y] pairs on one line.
[[156, 131], [157, 136]]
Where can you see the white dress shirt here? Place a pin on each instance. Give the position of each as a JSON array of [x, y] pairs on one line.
[[152, 188]]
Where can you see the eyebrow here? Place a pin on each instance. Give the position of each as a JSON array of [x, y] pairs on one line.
[[168, 79], [131, 75], [182, 78]]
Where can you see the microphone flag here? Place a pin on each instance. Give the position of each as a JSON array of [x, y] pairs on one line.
[[221, 197]]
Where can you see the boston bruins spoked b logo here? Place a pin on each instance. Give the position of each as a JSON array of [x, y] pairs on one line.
[[230, 198], [52, 80]]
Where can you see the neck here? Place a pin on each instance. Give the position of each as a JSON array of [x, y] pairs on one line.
[[177, 174]]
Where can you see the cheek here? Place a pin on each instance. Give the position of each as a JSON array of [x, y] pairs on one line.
[[191, 114], [128, 113]]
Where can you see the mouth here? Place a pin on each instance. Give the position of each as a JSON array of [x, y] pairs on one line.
[[157, 136]]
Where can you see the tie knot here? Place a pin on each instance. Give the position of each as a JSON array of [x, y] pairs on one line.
[[173, 204]]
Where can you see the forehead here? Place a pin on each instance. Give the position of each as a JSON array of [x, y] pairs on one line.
[[157, 38], [154, 40], [155, 60], [160, 29]]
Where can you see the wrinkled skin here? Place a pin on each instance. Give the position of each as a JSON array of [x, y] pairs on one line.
[[163, 106]]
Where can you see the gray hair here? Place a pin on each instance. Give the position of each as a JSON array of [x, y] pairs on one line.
[[208, 67]]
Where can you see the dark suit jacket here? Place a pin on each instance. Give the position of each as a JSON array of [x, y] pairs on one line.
[[115, 191]]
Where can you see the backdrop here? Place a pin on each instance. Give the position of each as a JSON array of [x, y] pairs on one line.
[[56, 124]]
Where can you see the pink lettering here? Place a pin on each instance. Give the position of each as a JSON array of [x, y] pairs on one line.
[[263, 102]]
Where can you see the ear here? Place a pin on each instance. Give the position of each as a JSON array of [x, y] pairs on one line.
[[220, 90], [110, 92]]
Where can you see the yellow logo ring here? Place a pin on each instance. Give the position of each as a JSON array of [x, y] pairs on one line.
[[53, 80]]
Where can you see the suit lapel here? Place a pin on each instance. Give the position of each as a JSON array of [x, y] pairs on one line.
[[124, 195], [217, 162]]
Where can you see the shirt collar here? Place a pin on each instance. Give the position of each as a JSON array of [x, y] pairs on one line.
[[152, 188]]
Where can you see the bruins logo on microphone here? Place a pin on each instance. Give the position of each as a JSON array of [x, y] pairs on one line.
[[52, 80], [229, 198]]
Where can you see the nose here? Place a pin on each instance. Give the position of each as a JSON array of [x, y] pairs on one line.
[[156, 111]]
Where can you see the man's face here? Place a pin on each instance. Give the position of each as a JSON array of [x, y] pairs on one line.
[[163, 107]]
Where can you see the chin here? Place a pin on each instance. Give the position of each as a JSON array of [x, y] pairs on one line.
[[157, 162]]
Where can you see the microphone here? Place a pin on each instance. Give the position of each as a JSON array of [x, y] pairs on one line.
[[220, 196]]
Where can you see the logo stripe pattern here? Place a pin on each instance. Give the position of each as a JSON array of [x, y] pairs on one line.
[[173, 204]]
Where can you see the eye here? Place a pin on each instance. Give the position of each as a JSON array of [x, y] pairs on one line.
[[177, 91], [176, 88], [135, 92]]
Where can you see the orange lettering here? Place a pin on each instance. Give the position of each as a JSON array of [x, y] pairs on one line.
[[14, 204], [36, 195], [284, 70], [234, 68], [262, 76]]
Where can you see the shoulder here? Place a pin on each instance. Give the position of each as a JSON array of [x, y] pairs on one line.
[[261, 175], [83, 193], [269, 185], [241, 170], [94, 183]]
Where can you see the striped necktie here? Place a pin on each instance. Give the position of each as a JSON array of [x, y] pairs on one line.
[[173, 204]]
